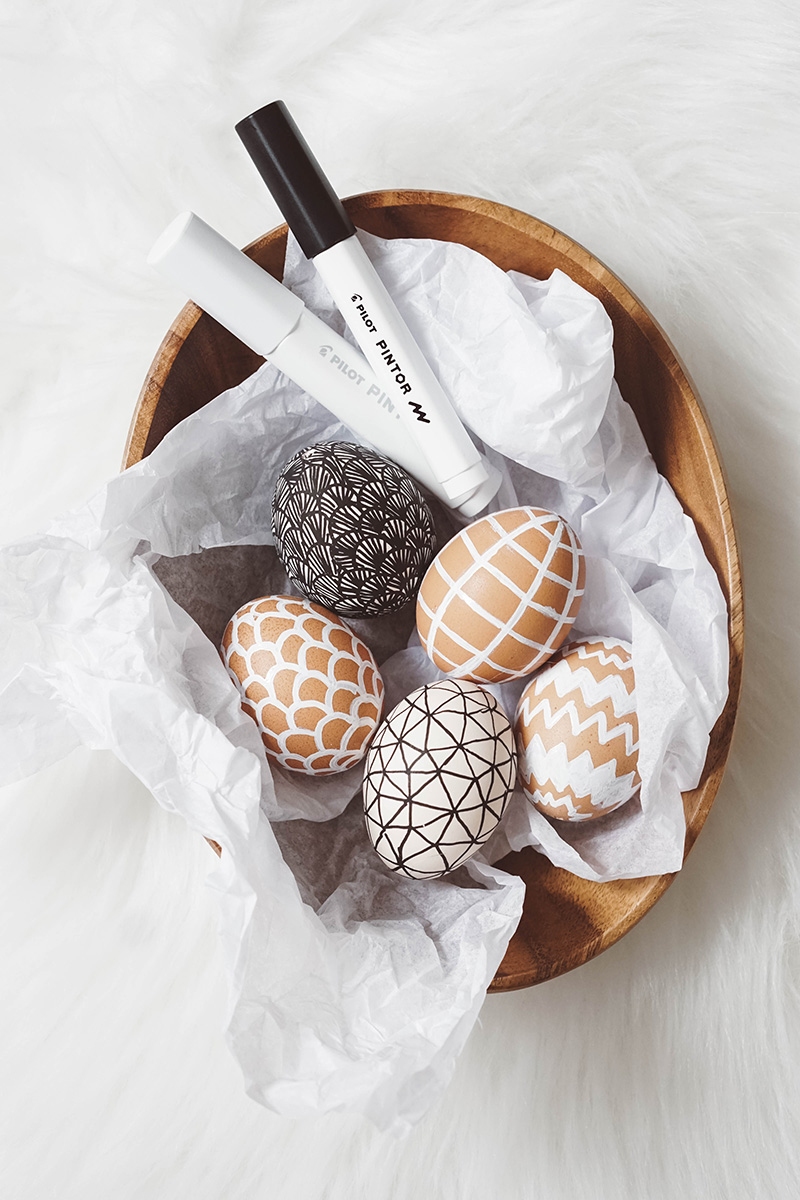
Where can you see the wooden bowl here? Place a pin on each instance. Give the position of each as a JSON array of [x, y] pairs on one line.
[[566, 920]]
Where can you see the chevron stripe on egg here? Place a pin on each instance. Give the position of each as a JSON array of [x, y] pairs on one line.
[[578, 734]]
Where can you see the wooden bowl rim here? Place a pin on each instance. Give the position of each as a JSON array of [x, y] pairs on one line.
[[532, 227]]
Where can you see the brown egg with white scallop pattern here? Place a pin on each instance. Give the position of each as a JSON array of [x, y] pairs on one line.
[[501, 597], [578, 734], [310, 684]]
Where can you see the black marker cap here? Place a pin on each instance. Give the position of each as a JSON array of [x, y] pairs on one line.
[[311, 208]]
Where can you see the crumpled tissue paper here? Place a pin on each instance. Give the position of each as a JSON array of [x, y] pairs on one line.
[[353, 989]]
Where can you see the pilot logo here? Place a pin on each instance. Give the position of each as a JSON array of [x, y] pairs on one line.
[[365, 317]]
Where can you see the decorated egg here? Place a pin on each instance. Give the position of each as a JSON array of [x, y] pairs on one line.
[[437, 778], [577, 732], [500, 598], [312, 687], [351, 529]]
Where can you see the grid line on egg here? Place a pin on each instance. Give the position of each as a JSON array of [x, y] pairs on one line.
[[430, 820], [479, 664]]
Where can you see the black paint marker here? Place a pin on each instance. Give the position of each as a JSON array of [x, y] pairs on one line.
[[326, 234]]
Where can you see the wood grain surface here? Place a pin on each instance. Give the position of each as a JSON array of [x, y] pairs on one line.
[[566, 920]]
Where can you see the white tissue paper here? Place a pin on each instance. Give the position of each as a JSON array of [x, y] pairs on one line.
[[353, 989]]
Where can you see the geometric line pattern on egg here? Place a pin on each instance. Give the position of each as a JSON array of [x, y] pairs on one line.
[[578, 733], [438, 776], [351, 528], [310, 684], [548, 564]]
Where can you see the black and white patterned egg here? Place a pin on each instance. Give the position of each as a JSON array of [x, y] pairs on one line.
[[352, 529], [439, 773]]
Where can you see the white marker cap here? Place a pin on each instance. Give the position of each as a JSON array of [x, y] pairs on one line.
[[485, 492], [225, 283]]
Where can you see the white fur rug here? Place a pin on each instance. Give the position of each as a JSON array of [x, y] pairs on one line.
[[665, 138]]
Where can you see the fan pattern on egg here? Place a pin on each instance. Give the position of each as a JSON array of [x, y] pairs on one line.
[[311, 685], [438, 776], [501, 597], [351, 529], [578, 733]]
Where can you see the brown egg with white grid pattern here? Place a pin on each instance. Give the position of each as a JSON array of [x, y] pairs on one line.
[[501, 597], [310, 684]]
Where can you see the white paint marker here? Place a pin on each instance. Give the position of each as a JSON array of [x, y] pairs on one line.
[[326, 234], [275, 323]]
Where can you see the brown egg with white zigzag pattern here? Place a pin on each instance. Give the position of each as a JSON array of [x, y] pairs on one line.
[[500, 598], [309, 683], [578, 734]]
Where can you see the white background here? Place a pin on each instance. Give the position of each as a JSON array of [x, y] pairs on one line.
[[665, 138]]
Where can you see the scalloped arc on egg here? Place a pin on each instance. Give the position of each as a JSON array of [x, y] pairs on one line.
[[501, 597], [311, 685], [437, 779], [578, 733]]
